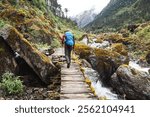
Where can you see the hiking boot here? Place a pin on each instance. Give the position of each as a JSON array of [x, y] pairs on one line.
[[68, 65]]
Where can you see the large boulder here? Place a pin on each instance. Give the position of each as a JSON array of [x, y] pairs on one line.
[[40, 63], [7, 63], [131, 83], [148, 58], [132, 27], [116, 38], [106, 63]]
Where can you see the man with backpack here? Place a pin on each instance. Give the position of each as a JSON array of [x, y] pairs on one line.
[[69, 41]]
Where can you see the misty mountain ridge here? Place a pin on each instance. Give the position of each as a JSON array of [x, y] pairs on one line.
[[85, 17]]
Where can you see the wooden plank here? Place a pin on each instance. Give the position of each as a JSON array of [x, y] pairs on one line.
[[75, 90], [88, 96], [71, 72], [72, 82], [72, 78], [74, 85]]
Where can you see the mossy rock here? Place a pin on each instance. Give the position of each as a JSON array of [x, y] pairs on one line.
[[120, 48], [39, 62], [102, 52], [117, 38], [106, 62], [100, 38], [82, 50], [7, 62], [148, 57]]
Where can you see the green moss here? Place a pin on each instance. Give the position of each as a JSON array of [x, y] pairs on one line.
[[102, 52], [83, 50], [145, 33], [117, 38], [120, 48], [1, 50]]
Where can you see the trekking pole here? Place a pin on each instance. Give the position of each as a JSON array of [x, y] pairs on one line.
[[73, 53], [62, 50]]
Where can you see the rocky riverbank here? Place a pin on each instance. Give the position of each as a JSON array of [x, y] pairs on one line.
[[112, 61]]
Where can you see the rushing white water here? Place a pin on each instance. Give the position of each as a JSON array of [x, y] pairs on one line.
[[97, 85], [104, 44], [138, 67], [93, 44], [93, 75]]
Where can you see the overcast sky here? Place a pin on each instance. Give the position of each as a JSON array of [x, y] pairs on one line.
[[77, 6]]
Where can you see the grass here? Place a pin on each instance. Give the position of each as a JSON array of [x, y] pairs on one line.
[[144, 33], [55, 43], [41, 46]]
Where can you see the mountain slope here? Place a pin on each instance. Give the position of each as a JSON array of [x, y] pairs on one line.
[[119, 13], [85, 17], [37, 30]]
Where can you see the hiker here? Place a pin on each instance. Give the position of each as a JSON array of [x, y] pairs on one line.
[[69, 42]]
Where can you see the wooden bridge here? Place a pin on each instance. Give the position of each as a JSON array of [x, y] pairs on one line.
[[73, 85]]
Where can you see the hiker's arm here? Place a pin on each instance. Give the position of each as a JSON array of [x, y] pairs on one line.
[[62, 39]]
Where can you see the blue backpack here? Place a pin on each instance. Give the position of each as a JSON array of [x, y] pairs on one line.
[[69, 39]]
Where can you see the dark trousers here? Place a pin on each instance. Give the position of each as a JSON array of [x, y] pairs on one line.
[[68, 50]]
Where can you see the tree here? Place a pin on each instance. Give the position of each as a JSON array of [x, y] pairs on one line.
[[66, 11], [59, 10]]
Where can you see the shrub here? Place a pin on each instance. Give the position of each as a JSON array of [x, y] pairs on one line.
[[11, 84], [41, 4], [2, 23], [42, 46], [144, 33]]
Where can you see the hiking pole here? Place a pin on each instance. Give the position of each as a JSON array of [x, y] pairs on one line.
[[63, 50], [73, 53]]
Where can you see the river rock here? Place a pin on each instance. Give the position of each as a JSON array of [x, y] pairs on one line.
[[148, 58], [106, 63], [39, 62], [117, 38], [132, 83], [85, 63]]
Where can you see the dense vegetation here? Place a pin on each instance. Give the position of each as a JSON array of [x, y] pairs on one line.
[[38, 20], [120, 13]]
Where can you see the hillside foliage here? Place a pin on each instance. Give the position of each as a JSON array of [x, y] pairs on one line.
[[120, 13]]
